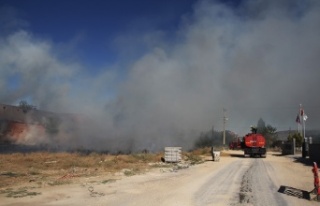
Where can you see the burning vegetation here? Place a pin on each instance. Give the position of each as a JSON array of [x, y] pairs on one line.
[[26, 125]]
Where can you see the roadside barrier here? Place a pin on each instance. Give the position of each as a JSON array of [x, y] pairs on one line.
[[216, 156], [316, 189]]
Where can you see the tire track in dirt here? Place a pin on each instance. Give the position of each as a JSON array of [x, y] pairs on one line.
[[224, 185], [245, 182], [257, 188]]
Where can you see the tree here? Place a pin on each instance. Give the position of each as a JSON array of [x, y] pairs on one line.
[[212, 138], [297, 136], [261, 125], [269, 132], [25, 106]]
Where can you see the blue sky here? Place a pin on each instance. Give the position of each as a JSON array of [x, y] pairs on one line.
[[94, 27]]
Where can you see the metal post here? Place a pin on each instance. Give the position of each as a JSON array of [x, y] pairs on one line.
[[304, 129], [300, 117]]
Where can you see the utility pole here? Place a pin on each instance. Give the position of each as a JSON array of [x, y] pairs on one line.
[[224, 126]]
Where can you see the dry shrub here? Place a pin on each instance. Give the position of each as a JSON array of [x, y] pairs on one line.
[[193, 159], [202, 151]]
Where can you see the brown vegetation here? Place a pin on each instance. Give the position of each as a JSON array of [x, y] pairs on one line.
[[57, 168], [21, 174]]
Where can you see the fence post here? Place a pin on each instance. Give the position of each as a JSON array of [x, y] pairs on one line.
[[304, 149], [294, 146]]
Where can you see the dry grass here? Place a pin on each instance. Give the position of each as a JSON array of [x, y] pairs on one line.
[[19, 192], [201, 151], [207, 151], [57, 168], [45, 168]]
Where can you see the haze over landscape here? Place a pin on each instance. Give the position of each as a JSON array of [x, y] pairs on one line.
[[150, 74]]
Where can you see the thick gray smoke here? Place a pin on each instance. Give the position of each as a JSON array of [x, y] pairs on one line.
[[258, 60]]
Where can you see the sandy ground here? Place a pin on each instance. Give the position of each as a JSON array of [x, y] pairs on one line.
[[234, 181]]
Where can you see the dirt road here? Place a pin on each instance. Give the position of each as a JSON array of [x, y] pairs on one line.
[[234, 181]]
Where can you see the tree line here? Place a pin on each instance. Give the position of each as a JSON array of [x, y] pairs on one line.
[[214, 138]]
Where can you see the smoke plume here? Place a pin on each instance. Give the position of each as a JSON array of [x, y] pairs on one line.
[[258, 59]]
